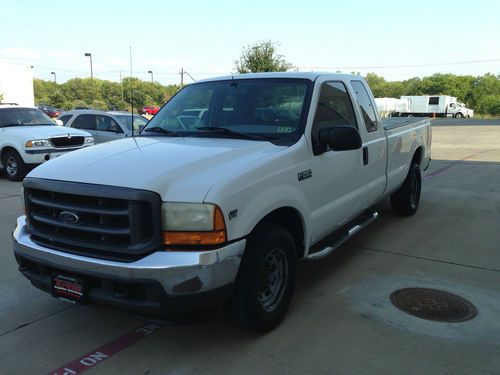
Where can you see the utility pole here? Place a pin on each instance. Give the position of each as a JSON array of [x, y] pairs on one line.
[[182, 77], [151, 72], [88, 54], [54, 73], [121, 83]]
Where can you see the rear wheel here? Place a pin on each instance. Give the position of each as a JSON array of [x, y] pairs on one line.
[[14, 166], [266, 279], [405, 201]]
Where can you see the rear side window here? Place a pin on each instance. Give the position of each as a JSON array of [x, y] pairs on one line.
[[366, 106], [86, 122], [65, 118]]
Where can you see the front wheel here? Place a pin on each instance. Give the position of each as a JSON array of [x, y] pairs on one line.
[[14, 166], [459, 115], [405, 201], [265, 280]]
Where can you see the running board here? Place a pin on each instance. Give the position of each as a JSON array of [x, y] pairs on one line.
[[349, 233]]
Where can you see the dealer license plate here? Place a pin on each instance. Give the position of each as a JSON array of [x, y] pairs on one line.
[[68, 288]]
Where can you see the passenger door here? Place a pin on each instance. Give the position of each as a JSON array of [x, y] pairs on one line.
[[107, 129], [374, 144], [339, 176], [85, 122]]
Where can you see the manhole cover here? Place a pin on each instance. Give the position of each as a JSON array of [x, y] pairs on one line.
[[433, 304]]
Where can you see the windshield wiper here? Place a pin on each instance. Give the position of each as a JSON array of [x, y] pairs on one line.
[[159, 129], [226, 131]]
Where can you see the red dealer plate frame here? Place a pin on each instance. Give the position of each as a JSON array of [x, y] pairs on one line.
[[68, 288]]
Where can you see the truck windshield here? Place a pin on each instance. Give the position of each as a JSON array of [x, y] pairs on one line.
[[258, 109], [23, 117]]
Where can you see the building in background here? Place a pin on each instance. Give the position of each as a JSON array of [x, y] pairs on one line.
[[16, 84]]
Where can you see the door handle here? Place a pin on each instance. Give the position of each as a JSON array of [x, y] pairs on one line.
[[365, 155]]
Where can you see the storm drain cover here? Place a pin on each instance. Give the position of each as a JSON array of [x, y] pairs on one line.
[[432, 304]]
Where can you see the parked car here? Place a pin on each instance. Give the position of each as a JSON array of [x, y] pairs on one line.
[[286, 166], [50, 111], [28, 137], [104, 126], [150, 110]]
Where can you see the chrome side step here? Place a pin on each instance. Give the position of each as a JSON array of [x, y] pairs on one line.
[[350, 232]]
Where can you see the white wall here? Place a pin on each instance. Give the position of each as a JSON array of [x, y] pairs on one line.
[[16, 84]]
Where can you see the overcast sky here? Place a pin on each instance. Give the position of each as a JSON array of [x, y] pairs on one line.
[[395, 39]]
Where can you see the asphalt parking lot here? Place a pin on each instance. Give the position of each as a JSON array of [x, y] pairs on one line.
[[341, 319]]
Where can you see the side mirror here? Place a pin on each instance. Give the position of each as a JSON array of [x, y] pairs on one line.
[[340, 138]]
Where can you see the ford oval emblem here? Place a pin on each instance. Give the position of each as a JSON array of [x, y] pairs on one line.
[[68, 217]]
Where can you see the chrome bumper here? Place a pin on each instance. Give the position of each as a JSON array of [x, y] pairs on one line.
[[175, 271]]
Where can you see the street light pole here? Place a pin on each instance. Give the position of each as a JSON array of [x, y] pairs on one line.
[[87, 54], [151, 72], [55, 79]]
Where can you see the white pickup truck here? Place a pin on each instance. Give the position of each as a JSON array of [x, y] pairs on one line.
[[28, 137], [219, 207]]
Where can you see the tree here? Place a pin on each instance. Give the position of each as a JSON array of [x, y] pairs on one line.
[[261, 57]]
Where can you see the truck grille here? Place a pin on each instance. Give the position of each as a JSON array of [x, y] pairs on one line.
[[67, 141], [93, 220]]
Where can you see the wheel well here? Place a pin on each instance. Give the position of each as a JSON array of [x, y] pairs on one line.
[[5, 149], [417, 156], [289, 218]]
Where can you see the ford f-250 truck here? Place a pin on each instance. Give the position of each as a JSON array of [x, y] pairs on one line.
[[203, 209]]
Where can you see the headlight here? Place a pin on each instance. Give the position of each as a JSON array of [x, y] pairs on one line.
[[192, 224], [88, 140], [37, 143]]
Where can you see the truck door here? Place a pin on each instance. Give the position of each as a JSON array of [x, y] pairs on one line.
[[374, 145], [338, 175]]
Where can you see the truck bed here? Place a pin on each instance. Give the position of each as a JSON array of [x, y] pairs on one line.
[[392, 123]]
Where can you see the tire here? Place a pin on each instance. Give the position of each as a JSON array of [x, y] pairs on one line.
[[266, 279], [459, 115], [405, 201], [13, 165]]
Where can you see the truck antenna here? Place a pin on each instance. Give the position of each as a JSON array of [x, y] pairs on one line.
[[131, 96]]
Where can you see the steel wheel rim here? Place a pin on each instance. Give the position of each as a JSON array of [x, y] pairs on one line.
[[11, 166], [273, 280]]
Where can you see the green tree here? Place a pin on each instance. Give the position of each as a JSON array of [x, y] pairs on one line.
[[261, 57]]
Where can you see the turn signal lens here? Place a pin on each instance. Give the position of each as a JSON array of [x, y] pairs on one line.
[[194, 238]]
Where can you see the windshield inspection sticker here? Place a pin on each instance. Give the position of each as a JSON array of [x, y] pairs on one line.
[[305, 175], [284, 129]]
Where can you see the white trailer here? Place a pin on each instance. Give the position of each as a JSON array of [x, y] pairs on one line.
[[388, 106], [16, 84], [435, 106]]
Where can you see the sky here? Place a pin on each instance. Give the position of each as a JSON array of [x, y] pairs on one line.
[[395, 39]]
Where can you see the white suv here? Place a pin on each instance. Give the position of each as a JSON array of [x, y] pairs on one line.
[[28, 137]]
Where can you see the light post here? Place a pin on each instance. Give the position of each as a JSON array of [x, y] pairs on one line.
[[151, 72], [87, 54], [55, 79]]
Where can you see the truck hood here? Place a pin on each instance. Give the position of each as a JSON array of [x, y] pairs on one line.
[[178, 169], [43, 132]]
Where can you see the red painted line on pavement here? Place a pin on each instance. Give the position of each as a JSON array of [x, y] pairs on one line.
[[92, 359], [450, 165]]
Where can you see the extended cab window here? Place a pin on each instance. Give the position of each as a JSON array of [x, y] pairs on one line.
[[86, 122], [365, 105], [334, 108]]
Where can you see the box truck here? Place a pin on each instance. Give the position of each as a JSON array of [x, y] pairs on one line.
[[435, 106], [16, 84]]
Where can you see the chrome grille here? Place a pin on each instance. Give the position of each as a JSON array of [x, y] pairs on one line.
[[101, 221]]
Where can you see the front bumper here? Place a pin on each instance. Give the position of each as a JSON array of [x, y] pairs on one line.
[[161, 281], [39, 156]]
